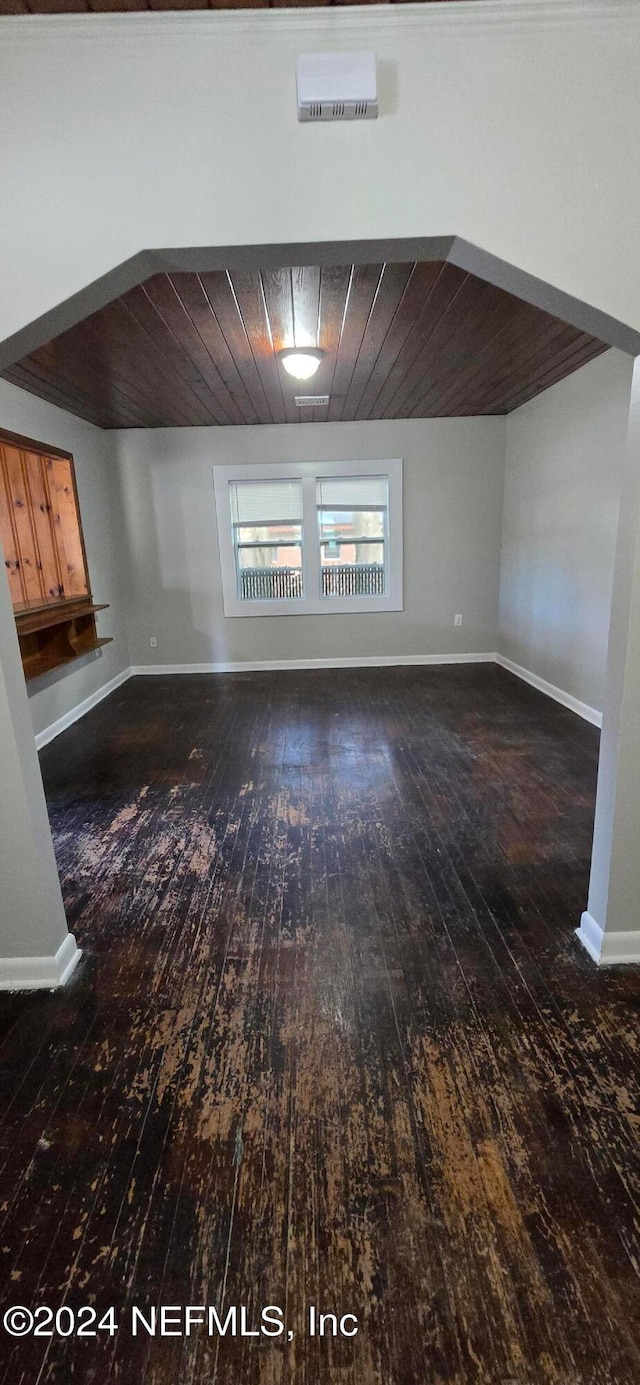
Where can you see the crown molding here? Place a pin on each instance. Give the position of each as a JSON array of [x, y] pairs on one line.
[[470, 15]]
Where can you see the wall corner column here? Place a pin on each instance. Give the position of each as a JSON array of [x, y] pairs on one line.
[[36, 949], [610, 927]]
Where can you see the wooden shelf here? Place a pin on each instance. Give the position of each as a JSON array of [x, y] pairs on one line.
[[54, 636], [46, 616]]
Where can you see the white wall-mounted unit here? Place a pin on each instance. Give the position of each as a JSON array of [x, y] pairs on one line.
[[337, 86]]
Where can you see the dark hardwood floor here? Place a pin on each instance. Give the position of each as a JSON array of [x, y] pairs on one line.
[[332, 1042]]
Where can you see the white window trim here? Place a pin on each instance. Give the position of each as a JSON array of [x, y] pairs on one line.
[[312, 603]]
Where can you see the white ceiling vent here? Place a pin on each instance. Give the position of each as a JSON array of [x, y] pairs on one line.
[[311, 401], [337, 86]]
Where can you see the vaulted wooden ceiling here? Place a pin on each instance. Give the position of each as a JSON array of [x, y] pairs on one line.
[[400, 341], [120, 6]]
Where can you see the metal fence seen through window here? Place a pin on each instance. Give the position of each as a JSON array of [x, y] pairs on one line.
[[285, 583]]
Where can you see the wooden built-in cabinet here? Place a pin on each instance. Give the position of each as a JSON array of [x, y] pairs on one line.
[[44, 555]]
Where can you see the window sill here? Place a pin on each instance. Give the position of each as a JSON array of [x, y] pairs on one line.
[[331, 606]]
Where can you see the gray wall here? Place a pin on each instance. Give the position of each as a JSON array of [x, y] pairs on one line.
[[561, 501], [453, 480], [56, 693], [149, 522], [32, 921]]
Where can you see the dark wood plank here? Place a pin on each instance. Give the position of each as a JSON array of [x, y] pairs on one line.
[[78, 363], [192, 294], [249, 295], [390, 292], [559, 341], [143, 361], [413, 300], [334, 287], [178, 5], [161, 344], [116, 6], [459, 330], [101, 348], [305, 291], [403, 340], [173, 313], [455, 359], [56, 393], [463, 367], [363, 286], [101, 6], [59, 7], [277, 287], [518, 329], [583, 349], [278, 293], [444, 287], [219, 290], [333, 1040]]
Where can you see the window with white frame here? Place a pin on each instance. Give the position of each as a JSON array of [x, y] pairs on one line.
[[267, 539], [310, 538]]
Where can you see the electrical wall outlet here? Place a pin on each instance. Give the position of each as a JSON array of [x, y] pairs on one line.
[[153, 643], [457, 620]]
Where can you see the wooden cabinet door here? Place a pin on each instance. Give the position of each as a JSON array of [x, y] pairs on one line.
[[40, 528], [66, 525]]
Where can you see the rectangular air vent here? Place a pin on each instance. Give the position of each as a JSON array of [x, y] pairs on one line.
[[311, 401], [337, 86], [339, 110]]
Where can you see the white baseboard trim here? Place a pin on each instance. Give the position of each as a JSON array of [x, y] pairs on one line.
[[361, 661], [40, 973], [608, 949], [581, 708], [50, 732], [265, 665]]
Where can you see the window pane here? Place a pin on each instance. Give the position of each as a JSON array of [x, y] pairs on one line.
[[352, 514], [352, 569], [353, 553], [270, 572], [269, 533], [353, 579], [345, 525], [262, 502], [270, 556]]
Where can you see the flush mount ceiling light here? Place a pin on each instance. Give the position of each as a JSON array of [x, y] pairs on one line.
[[303, 363]]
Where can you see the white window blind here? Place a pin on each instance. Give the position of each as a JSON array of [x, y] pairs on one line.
[[266, 502], [352, 492]]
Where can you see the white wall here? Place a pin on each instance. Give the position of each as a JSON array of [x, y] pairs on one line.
[[453, 479], [561, 502], [511, 124], [56, 693]]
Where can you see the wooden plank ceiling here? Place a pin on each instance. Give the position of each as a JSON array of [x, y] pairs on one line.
[[400, 341], [122, 6]]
